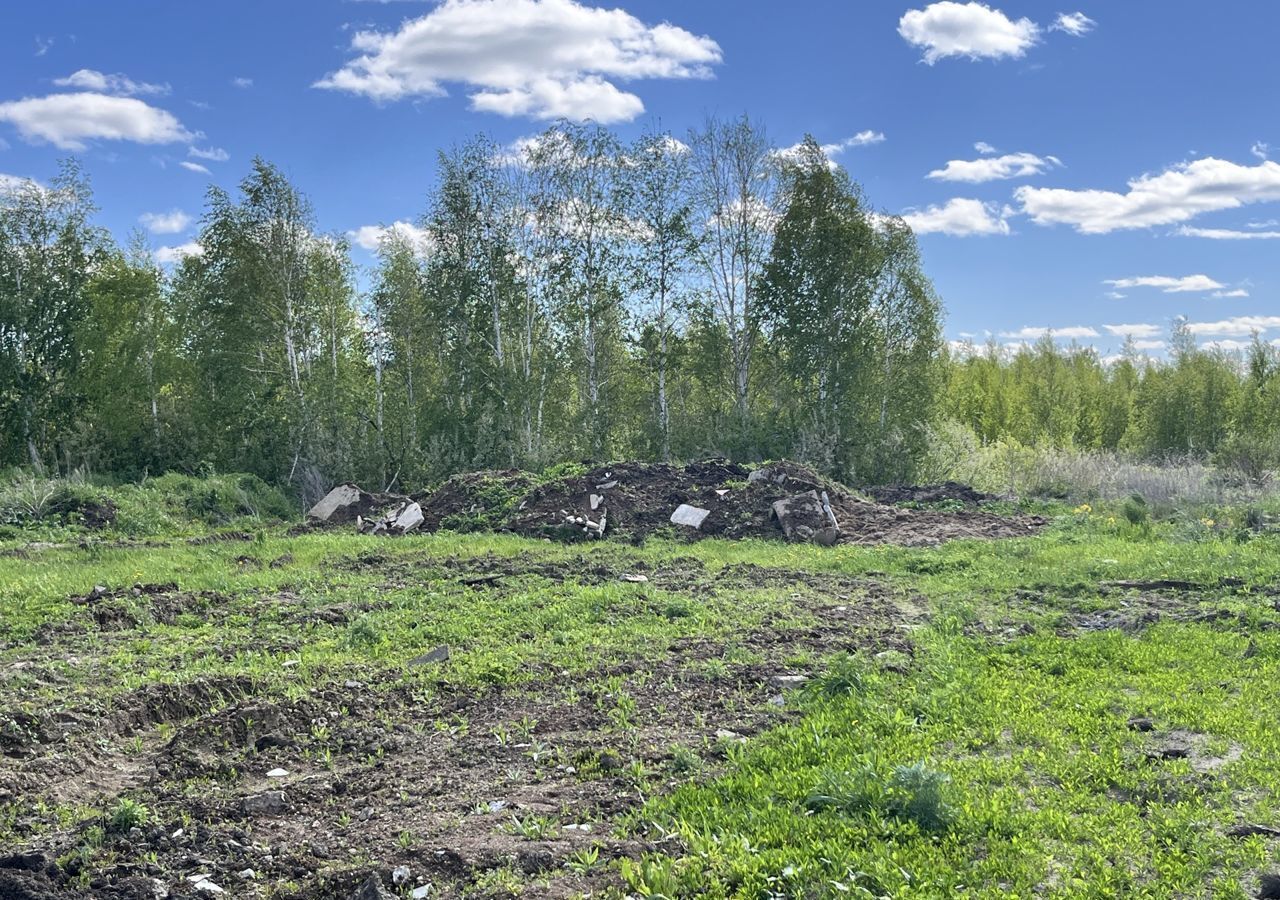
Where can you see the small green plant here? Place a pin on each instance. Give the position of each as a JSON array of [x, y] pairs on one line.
[[582, 861], [845, 676], [1135, 510], [914, 793], [533, 828], [127, 814]]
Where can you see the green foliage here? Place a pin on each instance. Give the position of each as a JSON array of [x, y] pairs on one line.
[[127, 814]]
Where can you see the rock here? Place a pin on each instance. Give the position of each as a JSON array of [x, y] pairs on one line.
[[342, 504], [777, 700], [609, 761], [788, 681], [278, 773], [635, 579], [248, 875], [202, 885], [807, 516], [400, 875], [724, 734], [438, 655], [607, 486], [419, 893], [596, 500], [691, 516], [1269, 887], [1141, 723], [406, 519], [268, 803], [1172, 750], [372, 889]]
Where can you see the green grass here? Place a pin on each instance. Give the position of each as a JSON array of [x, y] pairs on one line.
[[995, 760]]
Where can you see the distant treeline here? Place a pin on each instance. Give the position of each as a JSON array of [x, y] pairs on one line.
[[1211, 405], [574, 297]]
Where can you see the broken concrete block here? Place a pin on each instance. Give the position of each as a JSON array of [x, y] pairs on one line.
[[268, 803], [407, 519], [691, 516], [596, 500], [438, 655], [342, 504], [805, 517]]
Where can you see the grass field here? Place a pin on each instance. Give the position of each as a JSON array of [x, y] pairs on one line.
[[1090, 712]]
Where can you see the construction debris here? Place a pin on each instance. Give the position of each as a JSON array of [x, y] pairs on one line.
[[345, 503], [692, 516], [632, 500]]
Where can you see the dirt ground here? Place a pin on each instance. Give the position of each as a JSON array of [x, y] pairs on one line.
[[383, 775]]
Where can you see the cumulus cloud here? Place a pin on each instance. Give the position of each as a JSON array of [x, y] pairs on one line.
[[1239, 325], [959, 217], [1227, 234], [861, 139], [1143, 330], [1260, 149], [171, 222], [1175, 195], [973, 30], [543, 59], [1167, 283], [370, 237], [170, 255], [99, 82], [1032, 333], [214, 154], [984, 148], [194, 167], [68, 121], [995, 168], [1076, 24]]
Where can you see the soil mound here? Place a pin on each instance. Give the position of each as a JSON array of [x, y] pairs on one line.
[[705, 498]]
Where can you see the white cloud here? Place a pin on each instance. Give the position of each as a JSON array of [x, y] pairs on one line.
[[539, 58], [994, 168], [242, 83], [1031, 333], [169, 255], [1136, 331], [93, 80], [10, 184], [1175, 195], [959, 217], [69, 120], [370, 237], [194, 167], [1148, 345], [1076, 24], [1260, 149], [1227, 234], [1223, 295], [974, 30], [1116, 295], [1168, 283], [214, 154], [1239, 325], [861, 139], [984, 148], [172, 222]]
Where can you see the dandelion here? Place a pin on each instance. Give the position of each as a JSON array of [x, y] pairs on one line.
[[1207, 523]]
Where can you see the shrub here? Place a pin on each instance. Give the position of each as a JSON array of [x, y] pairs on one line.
[[914, 793], [128, 814]]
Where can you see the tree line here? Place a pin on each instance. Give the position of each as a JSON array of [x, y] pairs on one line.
[[573, 297], [1206, 404]]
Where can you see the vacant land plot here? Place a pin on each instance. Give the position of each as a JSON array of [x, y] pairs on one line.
[[1087, 712]]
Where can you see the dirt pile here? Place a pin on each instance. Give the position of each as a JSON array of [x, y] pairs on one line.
[[707, 498]]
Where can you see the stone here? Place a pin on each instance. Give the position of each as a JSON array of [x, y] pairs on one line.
[[724, 734], [268, 803], [278, 773], [635, 579], [689, 516], [248, 875], [438, 655], [607, 486], [400, 875], [201, 884], [342, 504], [372, 889], [407, 519], [1141, 723], [807, 517], [421, 892], [596, 500], [788, 681]]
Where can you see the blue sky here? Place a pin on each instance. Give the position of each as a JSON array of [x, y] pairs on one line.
[[1067, 167]]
